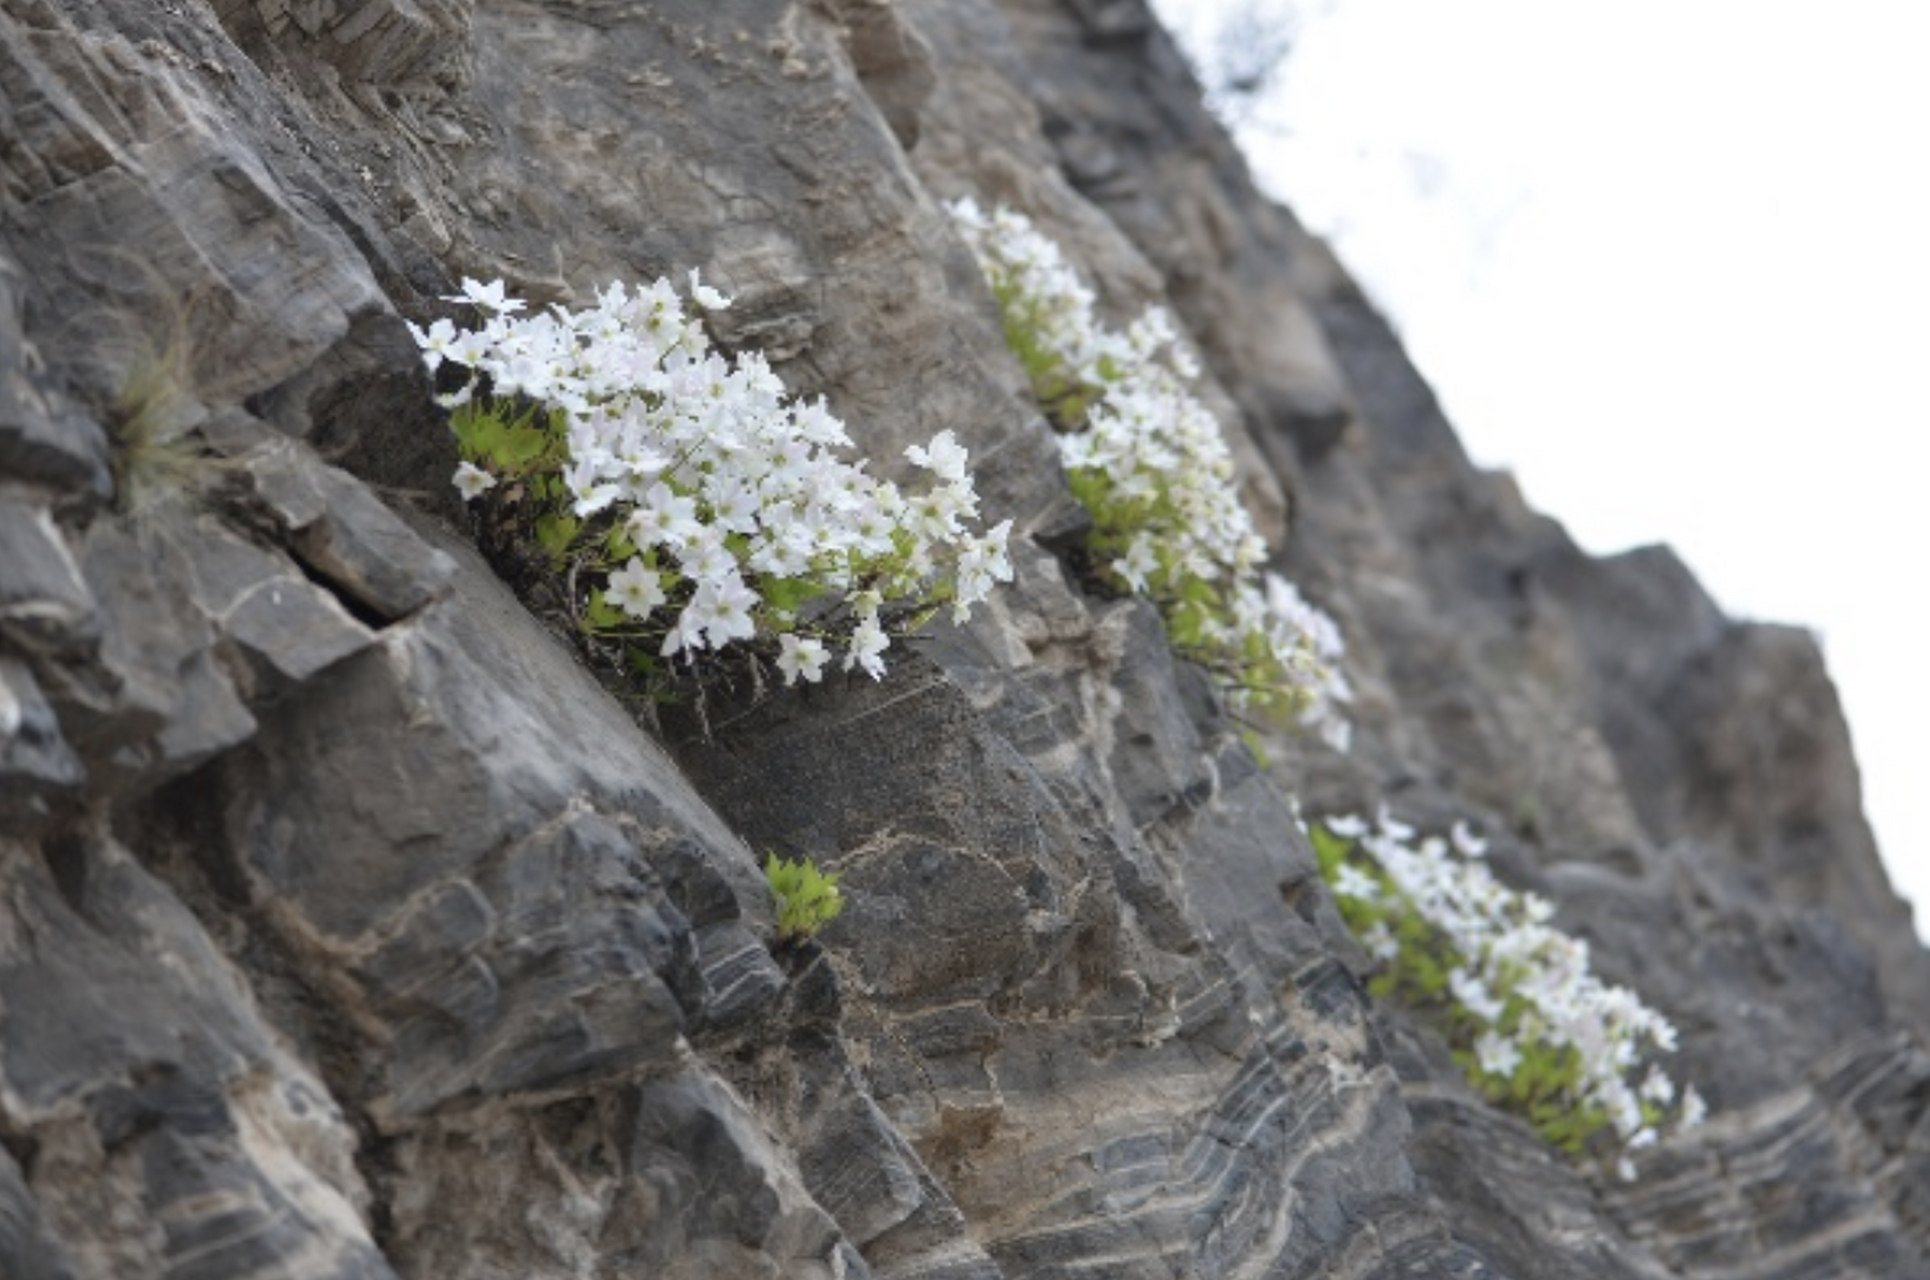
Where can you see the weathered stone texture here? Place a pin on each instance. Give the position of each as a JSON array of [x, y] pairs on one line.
[[349, 927]]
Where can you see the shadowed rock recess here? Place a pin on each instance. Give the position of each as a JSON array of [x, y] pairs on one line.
[[349, 927]]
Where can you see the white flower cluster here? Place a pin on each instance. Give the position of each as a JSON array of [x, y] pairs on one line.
[[725, 496], [1150, 462], [1521, 981]]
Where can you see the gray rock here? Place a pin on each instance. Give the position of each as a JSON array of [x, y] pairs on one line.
[[343, 533], [351, 928], [31, 1251], [477, 867], [159, 703], [671, 1177], [135, 192], [44, 439], [1784, 1187], [185, 1142], [45, 605], [1549, 727], [514, 966], [389, 43], [39, 772], [287, 629], [526, 980]]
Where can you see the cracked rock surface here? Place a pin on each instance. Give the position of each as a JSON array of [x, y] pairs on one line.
[[351, 927]]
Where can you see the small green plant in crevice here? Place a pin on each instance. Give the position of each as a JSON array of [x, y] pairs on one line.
[[679, 502], [1536, 1032], [807, 899], [1149, 462]]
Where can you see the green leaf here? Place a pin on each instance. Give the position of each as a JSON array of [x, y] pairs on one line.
[[1329, 850], [601, 615], [479, 431], [617, 545], [786, 595], [807, 899], [555, 532], [521, 446]]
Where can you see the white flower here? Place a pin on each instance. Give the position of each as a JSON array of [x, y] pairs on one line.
[[1508, 962], [1156, 470], [801, 658], [595, 498], [472, 481], [734, 507], [1334, 731], [867, 642], [1474, 996], [489, 296], [696, 454], [1352, 882], [1348, 826], [722, 608], [1138, 562], [707, 298], [996, 551], [1498, 1055], [664, 517], [457, 398], [1381, 942], [965, 211], [1624, 1112], [434, 342], [945, 458], [706, 556], [688, 633], [636, 589], [1391, 829]]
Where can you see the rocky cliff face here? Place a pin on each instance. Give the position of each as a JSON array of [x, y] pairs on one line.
[[351, 928]]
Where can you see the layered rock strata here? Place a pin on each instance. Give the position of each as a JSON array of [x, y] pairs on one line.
[[351, 927]]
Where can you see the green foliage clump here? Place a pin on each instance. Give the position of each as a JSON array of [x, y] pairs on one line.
[[1149, 462], [1536, 1032], [680, 502], [807, 899]]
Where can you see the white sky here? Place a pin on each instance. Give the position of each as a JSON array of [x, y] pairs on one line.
[[1669, 262]]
